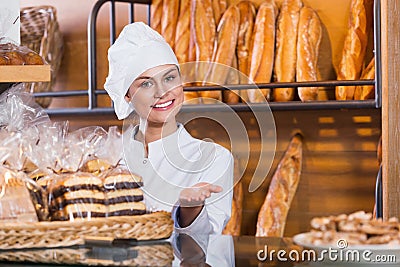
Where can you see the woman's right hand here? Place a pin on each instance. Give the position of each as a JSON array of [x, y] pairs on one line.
[[196, 195]]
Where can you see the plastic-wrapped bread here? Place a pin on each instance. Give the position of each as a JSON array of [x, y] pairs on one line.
[[247, 16], [364, 92], [261, 59], [232, 96], [286, 48], [156, 10], [204, 34], [169, 20], [308, 42], [355, 45], [235, 222], [273, 213]]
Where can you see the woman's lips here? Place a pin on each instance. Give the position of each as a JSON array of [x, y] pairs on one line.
[[164, 105]]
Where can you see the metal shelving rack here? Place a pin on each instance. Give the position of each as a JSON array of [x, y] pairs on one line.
[[93, 92]]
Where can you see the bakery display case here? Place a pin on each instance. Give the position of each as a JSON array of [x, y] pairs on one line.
[[340, 166]]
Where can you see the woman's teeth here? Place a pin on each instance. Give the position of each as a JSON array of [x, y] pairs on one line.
[[163, 105]]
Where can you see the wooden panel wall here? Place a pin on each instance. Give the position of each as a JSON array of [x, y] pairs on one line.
[[391, 107]]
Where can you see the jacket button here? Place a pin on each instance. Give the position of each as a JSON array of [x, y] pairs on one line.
[[145, 161]]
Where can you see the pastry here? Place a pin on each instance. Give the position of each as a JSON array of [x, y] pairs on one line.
[[308, 42], [286, 48]]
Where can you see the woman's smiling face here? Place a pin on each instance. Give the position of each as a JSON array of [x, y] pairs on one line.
[[157, 94]]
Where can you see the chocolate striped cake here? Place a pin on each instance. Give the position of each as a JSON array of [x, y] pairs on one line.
[[78, 196], [86, 196], [123, 194]]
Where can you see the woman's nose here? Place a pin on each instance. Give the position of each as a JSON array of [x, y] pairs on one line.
[[160, 91]]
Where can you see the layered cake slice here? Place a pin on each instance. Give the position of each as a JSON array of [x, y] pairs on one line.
[[123, 193], [78, 196]]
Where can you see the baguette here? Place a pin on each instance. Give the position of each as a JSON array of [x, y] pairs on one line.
[[169, 21], [355, 45], [204, 38], [364, 92], [182, 35], [235, 222], [262, 50], [156, 10], [225, 46], [217, 11], [308, 42], [246, 25], [232, 96], [273, 213], [286, 48]]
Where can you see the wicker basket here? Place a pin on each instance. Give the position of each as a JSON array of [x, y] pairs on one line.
[[144, 255], [157, 225], [40, 32]]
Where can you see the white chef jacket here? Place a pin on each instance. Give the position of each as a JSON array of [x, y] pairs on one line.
[[178, 161]]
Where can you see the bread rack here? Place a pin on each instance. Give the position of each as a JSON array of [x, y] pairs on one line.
[[92, 92]]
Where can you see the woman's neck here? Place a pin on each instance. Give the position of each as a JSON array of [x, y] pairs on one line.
[[150, 132]]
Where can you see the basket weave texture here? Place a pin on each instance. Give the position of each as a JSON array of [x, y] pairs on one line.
[[155, 225], [147, 255], [41, 33]]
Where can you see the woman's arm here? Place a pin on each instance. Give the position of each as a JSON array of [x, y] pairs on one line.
[[191, 201]]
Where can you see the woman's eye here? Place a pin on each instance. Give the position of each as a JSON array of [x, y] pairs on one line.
[[169, 78], [146, 84]]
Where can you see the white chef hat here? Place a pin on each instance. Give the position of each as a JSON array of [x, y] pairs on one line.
[[137, 49]]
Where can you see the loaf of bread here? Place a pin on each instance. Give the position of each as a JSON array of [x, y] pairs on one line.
[[169, 20], [235, 222], [247, 15], [286, 48], [273, 213], [156, 13], [225, 46], [261, 59], [308, 42], [355, 45], [204, 28], [364, 92], [15, 201], [217, 11], [232, 96], [182, 36]]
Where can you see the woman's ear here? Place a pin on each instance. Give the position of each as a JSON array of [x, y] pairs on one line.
[[127, 98]]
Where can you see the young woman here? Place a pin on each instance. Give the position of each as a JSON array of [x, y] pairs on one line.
[[190, 177]]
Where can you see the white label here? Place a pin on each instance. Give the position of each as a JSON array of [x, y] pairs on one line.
[[10, 21]]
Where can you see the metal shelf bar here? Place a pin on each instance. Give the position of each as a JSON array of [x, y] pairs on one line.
[[218, 87], [274, 106]]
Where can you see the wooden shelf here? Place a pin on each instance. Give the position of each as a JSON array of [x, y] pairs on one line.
[[25, 73]]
